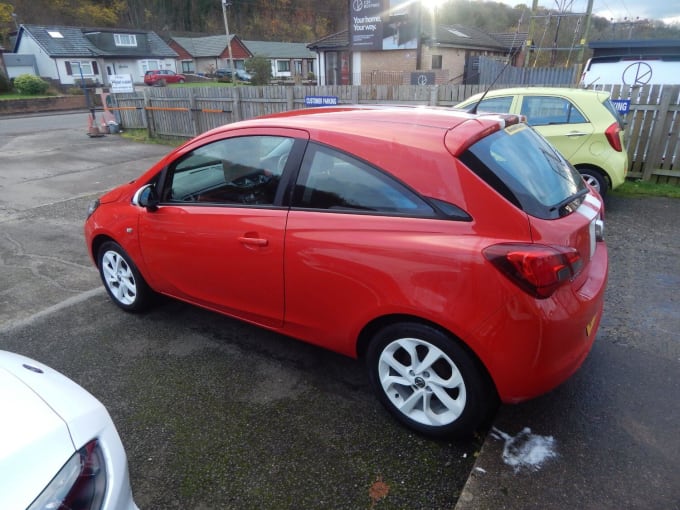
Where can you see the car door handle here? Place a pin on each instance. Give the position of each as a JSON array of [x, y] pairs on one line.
[[253, 241], [577, 133]]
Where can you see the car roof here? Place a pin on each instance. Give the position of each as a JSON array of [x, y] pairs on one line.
[[363, 119], [381, 123], [574, 93]]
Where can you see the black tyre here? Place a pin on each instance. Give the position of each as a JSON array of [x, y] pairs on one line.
[[429, 381], [596, 179], [122, 280]]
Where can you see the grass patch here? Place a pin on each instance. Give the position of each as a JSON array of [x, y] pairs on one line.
[[142, 136], [16, 95], [207, 83], [647, 189]]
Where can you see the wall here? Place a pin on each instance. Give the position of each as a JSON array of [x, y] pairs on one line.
[[46, 66], [42, 104], [387, 61]]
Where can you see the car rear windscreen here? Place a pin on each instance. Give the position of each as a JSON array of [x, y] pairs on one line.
[[527, 170]]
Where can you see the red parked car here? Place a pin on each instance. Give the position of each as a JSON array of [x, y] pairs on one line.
[[162, 77], [460, 255]]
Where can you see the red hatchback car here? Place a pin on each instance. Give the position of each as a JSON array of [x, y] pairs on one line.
[[162, 77], [460, 255]]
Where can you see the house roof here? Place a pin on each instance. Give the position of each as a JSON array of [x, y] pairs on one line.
[[462, 36], [13, 59], [205, 46], [63, 41], [332, 41], [279, 49], [511, 40]]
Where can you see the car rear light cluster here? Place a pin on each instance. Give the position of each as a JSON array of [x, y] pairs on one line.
[[79, 485], [614, 137], [538, 269]]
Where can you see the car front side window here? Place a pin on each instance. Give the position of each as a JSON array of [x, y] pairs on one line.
[[332, 180], [243, 170]]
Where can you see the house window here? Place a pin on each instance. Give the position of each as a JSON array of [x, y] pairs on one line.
[[298, 67], [125, 39], [436, 61], [188, 66], [149, 65], [283, 66], [81, 68]]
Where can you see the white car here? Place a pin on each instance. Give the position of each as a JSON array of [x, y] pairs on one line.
[[59, 447]]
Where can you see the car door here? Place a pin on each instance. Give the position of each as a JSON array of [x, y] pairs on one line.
[[217, 236], [559, 120], [351, 228]]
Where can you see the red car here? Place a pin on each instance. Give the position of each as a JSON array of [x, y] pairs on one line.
[[162, 77], [460, 255]]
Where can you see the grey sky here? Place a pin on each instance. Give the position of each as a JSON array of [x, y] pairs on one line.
[[666, 10]]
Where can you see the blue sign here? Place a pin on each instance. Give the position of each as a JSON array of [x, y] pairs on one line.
[[321, 101], [621, 105]]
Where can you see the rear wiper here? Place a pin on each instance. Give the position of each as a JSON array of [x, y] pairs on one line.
[[573, 198]]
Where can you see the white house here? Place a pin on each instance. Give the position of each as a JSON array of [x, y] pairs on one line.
[[69, 54], [288, 60]]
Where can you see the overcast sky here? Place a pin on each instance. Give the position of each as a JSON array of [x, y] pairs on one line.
[[666, 10]]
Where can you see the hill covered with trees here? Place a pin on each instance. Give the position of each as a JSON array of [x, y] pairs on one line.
[[304, 20]]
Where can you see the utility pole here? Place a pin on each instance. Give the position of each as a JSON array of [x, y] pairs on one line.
[[226, 3], [532, 32], [586, 34]]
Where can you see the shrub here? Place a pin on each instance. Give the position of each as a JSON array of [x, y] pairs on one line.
[[30, 85], [261, 69]]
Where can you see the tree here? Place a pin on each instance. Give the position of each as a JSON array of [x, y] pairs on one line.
[[261, 69]]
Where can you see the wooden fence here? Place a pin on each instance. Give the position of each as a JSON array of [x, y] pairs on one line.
[[652, 129]]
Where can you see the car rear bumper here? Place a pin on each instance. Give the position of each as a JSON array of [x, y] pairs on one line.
[[538, 344]]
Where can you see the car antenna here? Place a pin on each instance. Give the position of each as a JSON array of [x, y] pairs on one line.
[[473, 107]]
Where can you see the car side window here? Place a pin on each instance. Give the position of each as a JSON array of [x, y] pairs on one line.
[[332, 180], [546, 110], [243, 170], [496, 105]]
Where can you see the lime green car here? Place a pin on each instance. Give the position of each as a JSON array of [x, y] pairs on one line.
[[582, 124]]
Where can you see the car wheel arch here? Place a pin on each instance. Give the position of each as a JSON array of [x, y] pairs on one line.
[[369, 331], [589, 169], [480, 396], [101, 239]]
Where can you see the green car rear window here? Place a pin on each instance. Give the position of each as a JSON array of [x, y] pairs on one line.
[[523, 167]]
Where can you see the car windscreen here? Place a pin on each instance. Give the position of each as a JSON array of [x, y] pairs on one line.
[[523, 167]]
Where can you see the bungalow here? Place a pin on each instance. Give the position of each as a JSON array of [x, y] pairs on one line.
[[70, 54], [445, 54], [288, 60], [203, 55]]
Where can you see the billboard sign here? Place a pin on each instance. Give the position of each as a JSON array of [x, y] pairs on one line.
[[376, 25]]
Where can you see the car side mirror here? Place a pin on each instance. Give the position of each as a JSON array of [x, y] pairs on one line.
[[146, 197]]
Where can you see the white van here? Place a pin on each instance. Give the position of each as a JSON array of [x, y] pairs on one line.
[[632, 71]]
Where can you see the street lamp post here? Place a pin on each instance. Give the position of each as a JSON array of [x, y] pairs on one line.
[[226, 3]]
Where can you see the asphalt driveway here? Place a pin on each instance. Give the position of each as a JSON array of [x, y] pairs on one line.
[[213, 413], [218, 414]]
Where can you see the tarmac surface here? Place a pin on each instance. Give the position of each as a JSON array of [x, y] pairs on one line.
[[218, 414], [612, 432]]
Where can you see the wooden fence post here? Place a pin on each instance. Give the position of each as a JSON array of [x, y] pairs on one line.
[[193, 111], [148, 114], [236, 104], [659, 133], [355, 94]]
